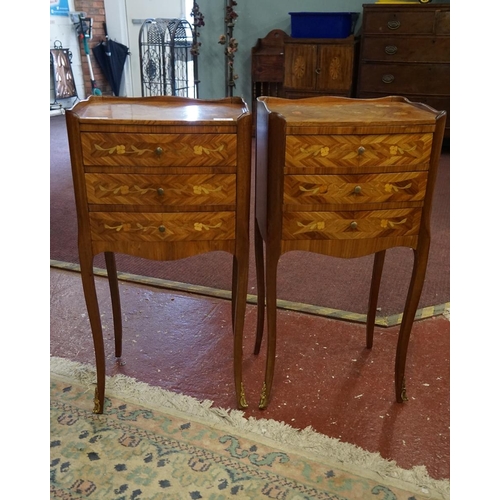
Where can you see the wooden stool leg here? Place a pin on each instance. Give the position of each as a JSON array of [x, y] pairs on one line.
[[272, 258], [378, 265], [412, 300], [239, 301], [261, 287], [89, 291], [115, 300]]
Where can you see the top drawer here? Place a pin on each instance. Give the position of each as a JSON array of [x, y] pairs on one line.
[[165, 150], [407, 22], [337, 152]]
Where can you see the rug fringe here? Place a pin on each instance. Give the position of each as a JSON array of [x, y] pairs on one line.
[[307, 440]]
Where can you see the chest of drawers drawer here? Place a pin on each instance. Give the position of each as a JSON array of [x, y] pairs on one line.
[[202, 190], [155, 150], [351, 225], [158, 227], [342, 153], [329, 191], [406, 20], [407, 49], [406, 79]]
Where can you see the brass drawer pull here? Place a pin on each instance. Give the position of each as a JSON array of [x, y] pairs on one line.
[[158, 151], [393, 25], [161, 229], [357, 189], [388, 78], [160, 191], [391, 49], [353, 225], [361, 150]]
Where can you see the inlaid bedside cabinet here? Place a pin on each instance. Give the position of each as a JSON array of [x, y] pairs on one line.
[[346, 178], [161, 178]]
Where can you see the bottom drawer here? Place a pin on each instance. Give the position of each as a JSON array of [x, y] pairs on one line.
[[125, 226], [351, 224]]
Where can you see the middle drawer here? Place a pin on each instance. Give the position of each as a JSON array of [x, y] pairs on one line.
[[141, 189], [354, 189]]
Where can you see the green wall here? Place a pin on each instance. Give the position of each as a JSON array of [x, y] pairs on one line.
[[255, 19]]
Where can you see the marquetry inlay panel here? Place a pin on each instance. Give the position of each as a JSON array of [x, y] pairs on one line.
[[384, 150], [149, 150], [350, 224], [126, 226], [354, 189], [131, 189]]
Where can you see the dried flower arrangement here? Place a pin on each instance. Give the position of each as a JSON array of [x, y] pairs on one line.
[[198, 22], [230, 45]]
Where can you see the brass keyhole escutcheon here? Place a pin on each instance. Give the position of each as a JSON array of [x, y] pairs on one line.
[[159, 151], [361, 150], [162, 229], [353, 225], [357, 189], [160, 191]]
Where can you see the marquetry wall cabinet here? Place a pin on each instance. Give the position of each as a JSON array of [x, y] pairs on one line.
[[345, 178], [161, 178], [319, 66]]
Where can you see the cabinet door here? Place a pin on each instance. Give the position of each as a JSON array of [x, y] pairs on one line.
[[300, 66], [335, 65]]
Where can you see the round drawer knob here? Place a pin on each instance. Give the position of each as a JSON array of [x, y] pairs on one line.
[[361, 150], [353, 225], [158, 151], [357, 189], [160, 191], [393, 25], [388, 78], [161, 229]]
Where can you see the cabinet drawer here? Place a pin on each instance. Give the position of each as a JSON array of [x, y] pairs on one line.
[[355, 151], [350, 225], [127, 226], [406, 49], [354, 189], [397, 23], [150, 150], [405, 78], [121, 189]]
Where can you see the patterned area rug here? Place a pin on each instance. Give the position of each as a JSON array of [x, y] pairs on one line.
[[154, 444]]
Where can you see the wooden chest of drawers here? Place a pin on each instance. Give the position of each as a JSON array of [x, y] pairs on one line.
[[160, 178], [405, 50], [346, 178]]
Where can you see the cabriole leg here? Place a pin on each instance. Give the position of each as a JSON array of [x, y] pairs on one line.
[[89, 291], [115, 300]]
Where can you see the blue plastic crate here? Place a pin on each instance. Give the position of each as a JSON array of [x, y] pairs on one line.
[[323, 24]]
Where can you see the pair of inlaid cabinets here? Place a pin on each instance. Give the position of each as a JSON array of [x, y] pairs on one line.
[[165, 178]]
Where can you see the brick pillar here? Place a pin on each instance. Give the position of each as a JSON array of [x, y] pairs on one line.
[[95, 10]]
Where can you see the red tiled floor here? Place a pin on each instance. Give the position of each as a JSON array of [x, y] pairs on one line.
[[325, 377]]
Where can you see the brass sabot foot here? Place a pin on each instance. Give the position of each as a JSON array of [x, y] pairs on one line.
[[242, 399], [263, 398], [97, 402]]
